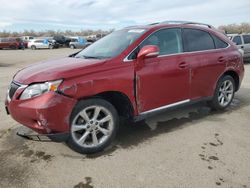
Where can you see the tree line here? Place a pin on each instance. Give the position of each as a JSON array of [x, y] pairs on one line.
[[50, 33], [236, 28]]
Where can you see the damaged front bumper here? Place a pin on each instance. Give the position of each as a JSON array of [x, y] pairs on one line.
[[48, 113]]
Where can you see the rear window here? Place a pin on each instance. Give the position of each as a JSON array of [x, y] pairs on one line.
[[237, 40], [197, 40], [219, 43], [4, 40], [246, 39]]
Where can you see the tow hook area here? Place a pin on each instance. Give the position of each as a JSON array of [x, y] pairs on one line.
[[31, 135]]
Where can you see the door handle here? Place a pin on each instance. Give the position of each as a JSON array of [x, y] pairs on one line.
[[183, 65], [242, 47]]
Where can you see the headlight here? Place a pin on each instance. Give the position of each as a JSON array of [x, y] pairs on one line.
[[38, 89]]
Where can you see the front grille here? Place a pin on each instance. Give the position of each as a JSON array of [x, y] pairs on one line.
[[13, 88]]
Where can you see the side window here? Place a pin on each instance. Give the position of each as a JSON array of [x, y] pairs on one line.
[[237, 40], [246, 39], [197, 40], [169, 42], [219, 43]]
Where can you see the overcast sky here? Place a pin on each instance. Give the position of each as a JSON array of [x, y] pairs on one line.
[[17, 15]]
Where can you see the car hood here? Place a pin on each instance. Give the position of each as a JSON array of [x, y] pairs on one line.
[[56, 69]]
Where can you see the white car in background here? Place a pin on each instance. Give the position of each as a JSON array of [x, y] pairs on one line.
[[242, 41], [41, 44], [27, 38]]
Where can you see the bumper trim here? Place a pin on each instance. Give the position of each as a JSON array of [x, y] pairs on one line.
[[55, 137]]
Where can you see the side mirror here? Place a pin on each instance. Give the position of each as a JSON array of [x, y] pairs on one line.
[[148, 51]]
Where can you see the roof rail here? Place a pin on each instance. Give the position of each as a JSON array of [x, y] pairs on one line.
[[185, 22]]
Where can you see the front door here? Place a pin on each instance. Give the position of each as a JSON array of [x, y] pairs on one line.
[[163, 80]]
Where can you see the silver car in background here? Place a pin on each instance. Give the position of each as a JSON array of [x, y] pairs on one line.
[[243, 42], [79, 43], [42, 44]]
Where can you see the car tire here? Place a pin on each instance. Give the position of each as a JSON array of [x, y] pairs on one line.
[[93, 126], [224, 93], [51, 47], [33, 47], [13, 47], [72, 47]]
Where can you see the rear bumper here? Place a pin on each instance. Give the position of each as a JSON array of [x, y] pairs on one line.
[[45, 114]]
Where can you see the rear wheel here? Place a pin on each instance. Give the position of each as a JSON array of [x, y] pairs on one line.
[[51, 46], [94, 123], [72, 47], [224, 93], [33, 47]]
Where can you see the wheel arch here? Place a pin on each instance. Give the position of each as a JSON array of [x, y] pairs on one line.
[[120, 101], [235, 76]]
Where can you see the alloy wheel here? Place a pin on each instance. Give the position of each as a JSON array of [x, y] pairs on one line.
[[92, 126], [226, 92]]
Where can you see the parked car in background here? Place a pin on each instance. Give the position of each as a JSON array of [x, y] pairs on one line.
[[242, 41], [11, 43], [79, 42], [42, 44], [62, 40], [22, 43], [27, 38], [130, 74]]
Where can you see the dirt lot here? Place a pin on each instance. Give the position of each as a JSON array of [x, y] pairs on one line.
[[191, 147]]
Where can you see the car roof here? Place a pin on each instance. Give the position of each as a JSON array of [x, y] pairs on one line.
[[170, 24], [174, 24]]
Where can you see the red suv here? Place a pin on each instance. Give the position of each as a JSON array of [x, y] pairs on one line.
[[130, 73], [12, 43]]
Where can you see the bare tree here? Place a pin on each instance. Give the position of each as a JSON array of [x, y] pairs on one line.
[[50, 33], [236, 28]]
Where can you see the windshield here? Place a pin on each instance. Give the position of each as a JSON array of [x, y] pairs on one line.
[[111, 45]]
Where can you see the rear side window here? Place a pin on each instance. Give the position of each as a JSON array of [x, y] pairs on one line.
[[246, 39], [197, 40], [219, 43], [237, 40]]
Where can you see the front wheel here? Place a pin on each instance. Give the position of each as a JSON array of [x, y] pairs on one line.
[[72, 46], [94, 123], [33, 47], [224, 93]]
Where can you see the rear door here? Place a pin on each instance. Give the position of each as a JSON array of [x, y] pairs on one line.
[[246, 39], [207, 62], [163, 80]]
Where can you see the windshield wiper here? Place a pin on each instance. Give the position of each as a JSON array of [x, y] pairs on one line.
[[90, 57]]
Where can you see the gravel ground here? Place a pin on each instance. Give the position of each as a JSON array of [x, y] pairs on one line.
[[190, 147]]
